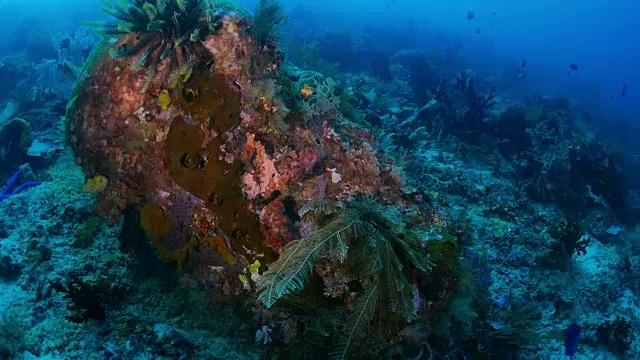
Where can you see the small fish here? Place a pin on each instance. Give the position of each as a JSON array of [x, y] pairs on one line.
[[520, 75], [625, 88], [573, 67], [471, 15], [477, 31], [523, 64], [596, 91]]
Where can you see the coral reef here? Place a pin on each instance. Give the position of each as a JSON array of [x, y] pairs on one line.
[[218, 202], [85, 301], [215, 163]]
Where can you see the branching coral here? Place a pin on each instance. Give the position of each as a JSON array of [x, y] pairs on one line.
[[595, 168], [462, 108], [555, 163], [471, 109]]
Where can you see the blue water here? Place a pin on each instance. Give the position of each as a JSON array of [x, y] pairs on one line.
[[597, 35]]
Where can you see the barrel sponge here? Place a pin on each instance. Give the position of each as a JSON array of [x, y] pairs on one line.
[[15, 139]]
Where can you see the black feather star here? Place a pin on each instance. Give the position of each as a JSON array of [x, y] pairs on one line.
[[164, 29]]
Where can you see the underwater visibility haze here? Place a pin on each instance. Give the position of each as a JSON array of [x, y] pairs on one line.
[[281, 179]]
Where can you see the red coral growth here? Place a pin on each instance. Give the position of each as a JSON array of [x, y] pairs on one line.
[[251, 120], [267, 174], [264, 178], [230, 49], [315, 188], [275, 225], [164, 155], [392, 182], [249, 147], [357, 171], [329, 134], [357, 167], [306, 137], [297, 163], [357, 133]]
